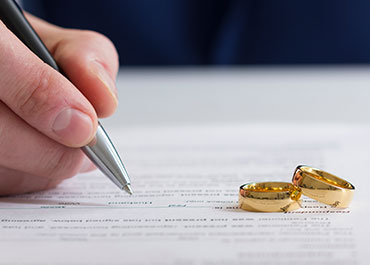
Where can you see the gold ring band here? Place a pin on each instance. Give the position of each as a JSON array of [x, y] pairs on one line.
[[269, 197], [323, 186]]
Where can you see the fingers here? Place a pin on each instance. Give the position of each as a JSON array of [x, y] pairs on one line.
[[25, 149], [29, 160], [41, 96], [16, 182], [42, 114], [88, 59]]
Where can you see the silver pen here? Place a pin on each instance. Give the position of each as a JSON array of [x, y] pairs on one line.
[[103, 154], [101, 150]]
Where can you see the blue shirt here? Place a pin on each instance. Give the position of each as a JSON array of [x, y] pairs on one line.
[[193, 32]]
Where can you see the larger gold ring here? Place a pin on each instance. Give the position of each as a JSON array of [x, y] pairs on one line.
[[323, 186], [269, 197]]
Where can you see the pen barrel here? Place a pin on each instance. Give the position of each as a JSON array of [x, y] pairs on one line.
[[105, 156]]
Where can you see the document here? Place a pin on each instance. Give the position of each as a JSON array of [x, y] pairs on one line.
[[184, 209]]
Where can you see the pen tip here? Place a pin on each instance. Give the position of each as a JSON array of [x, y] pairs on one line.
[[128, 189]]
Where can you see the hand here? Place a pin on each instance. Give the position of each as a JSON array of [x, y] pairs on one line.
[[44, 117]]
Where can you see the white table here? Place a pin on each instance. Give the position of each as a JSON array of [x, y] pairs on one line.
[[248, 94]]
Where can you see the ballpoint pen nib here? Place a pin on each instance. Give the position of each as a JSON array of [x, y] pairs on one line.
[[128, 189]]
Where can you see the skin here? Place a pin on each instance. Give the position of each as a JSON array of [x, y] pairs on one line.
[[38, 150]]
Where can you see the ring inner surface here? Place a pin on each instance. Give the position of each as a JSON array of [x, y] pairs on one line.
[[327, 178], [268, 190]]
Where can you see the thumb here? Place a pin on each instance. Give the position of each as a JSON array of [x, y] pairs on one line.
[[41, 96]]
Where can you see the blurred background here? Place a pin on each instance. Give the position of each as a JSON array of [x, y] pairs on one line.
[[226, 32]]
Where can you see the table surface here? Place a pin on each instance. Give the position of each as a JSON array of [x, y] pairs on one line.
[[154, 96]]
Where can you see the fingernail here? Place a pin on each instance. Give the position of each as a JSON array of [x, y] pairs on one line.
[[105, 78], [74, 127]]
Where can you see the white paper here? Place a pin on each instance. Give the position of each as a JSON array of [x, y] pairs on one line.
[[184, 209]]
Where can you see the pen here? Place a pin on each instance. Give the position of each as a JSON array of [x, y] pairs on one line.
[[101, 150]]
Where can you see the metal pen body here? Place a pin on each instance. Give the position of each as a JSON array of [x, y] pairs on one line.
[[104, 155]]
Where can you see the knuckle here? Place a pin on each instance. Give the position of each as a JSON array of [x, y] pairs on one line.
[[34, 96], [101, 41], [93, 36], [62, 164]]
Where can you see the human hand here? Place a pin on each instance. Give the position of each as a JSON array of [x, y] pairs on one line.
[[44, 117]]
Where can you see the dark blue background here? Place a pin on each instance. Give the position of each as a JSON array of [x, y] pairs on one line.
[[177, 32]]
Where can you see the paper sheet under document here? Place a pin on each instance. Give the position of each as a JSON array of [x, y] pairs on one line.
[[184, 209]]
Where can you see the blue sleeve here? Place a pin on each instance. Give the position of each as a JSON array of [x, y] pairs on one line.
[[193, 32]]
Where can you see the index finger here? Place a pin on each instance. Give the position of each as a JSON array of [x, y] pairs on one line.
[[89, 60]]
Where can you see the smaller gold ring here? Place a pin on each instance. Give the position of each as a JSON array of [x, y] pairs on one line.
[[323, 186], [269, 197]]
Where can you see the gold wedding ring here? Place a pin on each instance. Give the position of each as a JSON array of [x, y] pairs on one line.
[[323, 186], [269, 197]]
